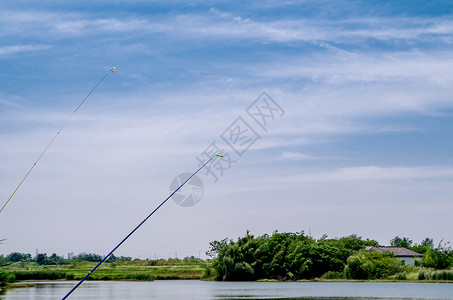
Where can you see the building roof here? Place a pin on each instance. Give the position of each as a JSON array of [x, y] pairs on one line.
[[397, 251]]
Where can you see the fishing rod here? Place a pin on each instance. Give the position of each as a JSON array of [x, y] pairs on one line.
[[54, 138], [138, 226]]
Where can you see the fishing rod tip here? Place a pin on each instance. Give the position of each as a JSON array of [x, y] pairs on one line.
[[218, 155], [113, 69]]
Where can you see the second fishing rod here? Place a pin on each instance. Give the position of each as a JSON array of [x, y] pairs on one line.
[[138, 226]]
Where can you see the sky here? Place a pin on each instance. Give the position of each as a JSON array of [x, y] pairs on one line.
[[354, 134]]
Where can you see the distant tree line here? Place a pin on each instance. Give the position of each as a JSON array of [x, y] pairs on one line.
[[54, 259], [292, 256]]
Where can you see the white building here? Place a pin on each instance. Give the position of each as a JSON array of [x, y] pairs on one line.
[[407, 256]]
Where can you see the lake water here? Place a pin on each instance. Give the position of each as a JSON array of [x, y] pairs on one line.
[[202, 290]]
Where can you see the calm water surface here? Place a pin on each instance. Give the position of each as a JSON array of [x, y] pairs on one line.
[[200, 290]]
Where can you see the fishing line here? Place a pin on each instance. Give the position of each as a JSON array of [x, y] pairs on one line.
[[59, 131], [135, 229]]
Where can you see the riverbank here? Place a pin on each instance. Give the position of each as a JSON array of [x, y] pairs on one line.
[[359, 280], [151, 270], [128, 271]]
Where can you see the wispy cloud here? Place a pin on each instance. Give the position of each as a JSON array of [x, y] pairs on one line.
[[298, 156], [8, 103], [375, 173], [8, 50], [341, 93], [223, 24], [430, 66], [186, 72]]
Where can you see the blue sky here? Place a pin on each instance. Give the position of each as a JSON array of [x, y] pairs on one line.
[[364, 145]]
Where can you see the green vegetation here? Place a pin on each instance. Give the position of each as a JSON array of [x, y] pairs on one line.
[[372, 265], [5, 278], [125, 269], [280, 256], [435, 275], [295, 256], [138, 270]]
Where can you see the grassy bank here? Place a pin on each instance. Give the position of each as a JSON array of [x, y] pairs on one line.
[[154, 270], [131, 270], [411, 274]]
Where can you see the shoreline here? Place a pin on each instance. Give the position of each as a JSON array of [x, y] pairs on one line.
[[356, 280], [31, 283]]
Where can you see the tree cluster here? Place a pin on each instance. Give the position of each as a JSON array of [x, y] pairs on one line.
[[54, 259], [439, 258], [297, 256]]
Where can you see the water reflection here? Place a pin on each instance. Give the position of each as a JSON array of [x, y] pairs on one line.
[[199, 290]]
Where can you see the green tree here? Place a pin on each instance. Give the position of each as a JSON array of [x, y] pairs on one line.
[[318, 258], [42, 259], [91, 257], [428, 242], [439, 258], [281, 256], [372, 265], [4, 278], [215, 247], [232, 264], [3, 261], [295, 256], [424, 246], [350, 244], [55, 259], [401, 242], [112, 258], [16, 257]]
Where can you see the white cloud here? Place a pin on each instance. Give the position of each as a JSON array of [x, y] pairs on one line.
[[332, 96], [298, 156], [223, 24], [432, 67], [7, 50], [375, 173], [125, 153], [8, 103]]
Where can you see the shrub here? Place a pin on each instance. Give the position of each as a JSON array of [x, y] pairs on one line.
[[6, 277], [39, 275], [449, 274], [209, 272], [333, 275], [424, 275], [139, 276], [435, 275], [442, 275], [152, 263], [400, 276], [440, 258], [372, 265], [3, 276]]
